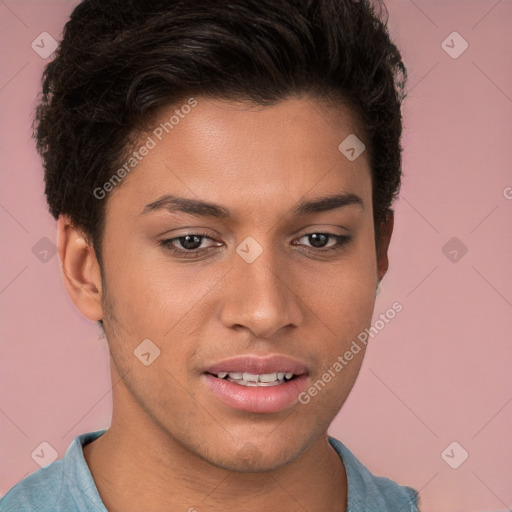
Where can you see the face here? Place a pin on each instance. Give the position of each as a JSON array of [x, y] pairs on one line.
[[264, 280]]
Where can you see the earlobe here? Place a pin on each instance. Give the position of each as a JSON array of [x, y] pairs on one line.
[[80, 269], [386, 230]]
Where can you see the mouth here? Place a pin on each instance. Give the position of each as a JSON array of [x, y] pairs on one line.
[[257, 384]]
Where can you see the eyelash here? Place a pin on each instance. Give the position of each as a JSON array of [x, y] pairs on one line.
[[342, 240]]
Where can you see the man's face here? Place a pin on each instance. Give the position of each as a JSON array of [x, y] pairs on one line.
[[260, 282]]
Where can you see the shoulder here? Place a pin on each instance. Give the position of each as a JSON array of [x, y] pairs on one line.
[[373, 493], [38, 491], [65, 485]]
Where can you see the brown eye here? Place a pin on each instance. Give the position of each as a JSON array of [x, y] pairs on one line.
[[188, 245], [319, 240]]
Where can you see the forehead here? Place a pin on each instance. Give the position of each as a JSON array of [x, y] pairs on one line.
[[246, 156]]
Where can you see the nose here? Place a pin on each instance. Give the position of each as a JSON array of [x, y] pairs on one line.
[[262, 296]]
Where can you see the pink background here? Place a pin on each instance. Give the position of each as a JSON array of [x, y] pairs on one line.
[[439, 372]]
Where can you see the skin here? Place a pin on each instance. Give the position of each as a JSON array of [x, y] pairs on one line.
[[172, 445]]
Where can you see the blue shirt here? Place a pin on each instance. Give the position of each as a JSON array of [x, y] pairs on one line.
[[66, 485]]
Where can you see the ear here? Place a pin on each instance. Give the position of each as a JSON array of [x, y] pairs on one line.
[[80, 269], [386, 230]]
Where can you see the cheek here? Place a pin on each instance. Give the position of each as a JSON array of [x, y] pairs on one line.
[[154, 300], [342, 295], [148, 295]]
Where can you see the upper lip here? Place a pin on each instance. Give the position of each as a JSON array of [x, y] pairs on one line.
[[259, 365]]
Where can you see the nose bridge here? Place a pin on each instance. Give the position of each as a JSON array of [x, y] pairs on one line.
[[259, 295]]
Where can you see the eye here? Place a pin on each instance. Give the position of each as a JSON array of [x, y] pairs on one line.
[[189, 245], [318, 241]]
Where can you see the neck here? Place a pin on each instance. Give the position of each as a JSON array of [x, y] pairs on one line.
[[132, 471]]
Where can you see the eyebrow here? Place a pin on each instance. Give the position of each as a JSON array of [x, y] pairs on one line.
[[173, 203]]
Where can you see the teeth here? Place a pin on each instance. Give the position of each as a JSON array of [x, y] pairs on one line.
[[250, 377], [257, 384], [253, 379], [268, 377]]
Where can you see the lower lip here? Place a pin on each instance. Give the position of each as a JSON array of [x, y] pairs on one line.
[[265, 399]]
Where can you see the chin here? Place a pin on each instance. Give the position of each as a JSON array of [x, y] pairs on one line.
[[255, 456], [251, 460]]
